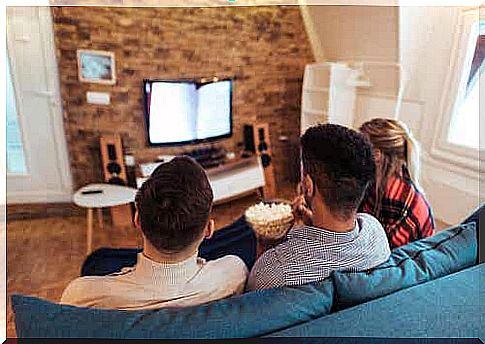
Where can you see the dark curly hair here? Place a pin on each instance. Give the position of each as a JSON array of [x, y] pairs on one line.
[[174, 204], [341, 163]]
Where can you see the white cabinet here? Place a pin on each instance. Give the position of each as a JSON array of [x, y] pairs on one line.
[[227, 181]]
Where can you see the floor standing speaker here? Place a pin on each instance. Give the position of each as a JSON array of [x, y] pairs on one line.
[[115, 173], [256, 139]]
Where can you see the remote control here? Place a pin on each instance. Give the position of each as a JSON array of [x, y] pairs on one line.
[[90, 192]]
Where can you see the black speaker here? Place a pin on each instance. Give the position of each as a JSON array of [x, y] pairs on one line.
[[265, 159], [256, 140], [249, 145], [111, 153], [261, 142], [113, 168], [263, 148], [115, 173]]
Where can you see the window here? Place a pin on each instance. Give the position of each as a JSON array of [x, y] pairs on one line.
[[464, 124], [15, 148]]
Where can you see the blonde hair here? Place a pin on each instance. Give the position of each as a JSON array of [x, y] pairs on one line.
[[398, 148]]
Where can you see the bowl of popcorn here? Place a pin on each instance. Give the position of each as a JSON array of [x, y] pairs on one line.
[[270, 221]]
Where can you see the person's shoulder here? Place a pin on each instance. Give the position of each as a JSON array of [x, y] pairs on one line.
[[374, 237], [223, 277], [227, 260], [371, 227], [397, 186], [230, 264], [88, 287], [268, 271], [281, 255], [80, 287], [86, 282], [367, 220]]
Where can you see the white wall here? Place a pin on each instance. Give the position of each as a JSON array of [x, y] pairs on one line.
[[427, 38], [356, 33], [422, 40]]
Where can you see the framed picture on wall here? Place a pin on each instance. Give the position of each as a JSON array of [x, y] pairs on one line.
[[96, 66]]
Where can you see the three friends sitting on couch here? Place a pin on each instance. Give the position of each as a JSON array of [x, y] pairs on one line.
[[338, 171]]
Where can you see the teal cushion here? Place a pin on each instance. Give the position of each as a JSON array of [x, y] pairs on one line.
[[446, 307], [444, 253], [249, 315]]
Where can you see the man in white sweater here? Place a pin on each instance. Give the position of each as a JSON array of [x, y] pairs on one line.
[[172, 212]]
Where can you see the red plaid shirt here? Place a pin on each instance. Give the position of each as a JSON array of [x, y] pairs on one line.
[[405, 214]]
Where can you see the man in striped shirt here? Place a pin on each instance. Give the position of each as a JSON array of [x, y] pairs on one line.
[[337, 167]]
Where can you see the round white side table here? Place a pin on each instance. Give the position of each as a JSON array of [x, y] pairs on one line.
[[111, 196]]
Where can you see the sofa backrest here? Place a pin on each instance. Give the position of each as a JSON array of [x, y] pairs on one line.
[[421, 261], [250, 315], [261, 312], [444, 308]]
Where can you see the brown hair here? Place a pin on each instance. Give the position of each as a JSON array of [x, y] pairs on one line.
[[399, 150], [174, 204], [341, 164]]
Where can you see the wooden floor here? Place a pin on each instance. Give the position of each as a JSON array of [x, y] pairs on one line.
[[45, 254]]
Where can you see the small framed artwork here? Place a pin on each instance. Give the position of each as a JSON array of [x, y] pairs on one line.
[[96, 66]]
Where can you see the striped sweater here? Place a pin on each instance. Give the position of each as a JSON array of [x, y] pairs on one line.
[[310, 254]]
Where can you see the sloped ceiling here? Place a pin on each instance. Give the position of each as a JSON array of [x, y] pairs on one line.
[[355, 32]]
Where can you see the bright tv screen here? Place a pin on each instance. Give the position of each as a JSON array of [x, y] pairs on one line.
[[187, 111]]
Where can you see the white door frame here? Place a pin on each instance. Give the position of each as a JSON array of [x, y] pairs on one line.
[[52, 91]]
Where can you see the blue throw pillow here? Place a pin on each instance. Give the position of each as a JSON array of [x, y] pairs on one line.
[[250, 315], [418, 262]]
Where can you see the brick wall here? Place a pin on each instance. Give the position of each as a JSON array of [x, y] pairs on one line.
[[266, 48]]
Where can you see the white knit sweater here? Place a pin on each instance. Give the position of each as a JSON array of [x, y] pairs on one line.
[[150, 285]]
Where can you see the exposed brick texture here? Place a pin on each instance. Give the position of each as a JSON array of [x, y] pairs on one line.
[[266, 48]]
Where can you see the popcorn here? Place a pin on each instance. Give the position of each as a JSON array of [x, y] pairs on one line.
[[270, 221], [267, 213]]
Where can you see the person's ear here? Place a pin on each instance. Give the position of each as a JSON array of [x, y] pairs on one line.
[[209, 230], [308, 186], [136, 219]]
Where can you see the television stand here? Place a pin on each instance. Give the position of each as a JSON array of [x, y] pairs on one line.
[[230, 180], [208, 157]]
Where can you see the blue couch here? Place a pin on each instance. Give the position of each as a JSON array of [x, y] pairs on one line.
[[445, 307], [427, 288]]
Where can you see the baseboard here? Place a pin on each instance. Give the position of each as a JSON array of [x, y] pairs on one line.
[[39, 196], [42, 210]]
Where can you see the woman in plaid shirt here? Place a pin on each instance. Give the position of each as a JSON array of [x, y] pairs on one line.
[[396, 199]]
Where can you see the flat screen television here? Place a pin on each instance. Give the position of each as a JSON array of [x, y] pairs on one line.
[[182, 111]]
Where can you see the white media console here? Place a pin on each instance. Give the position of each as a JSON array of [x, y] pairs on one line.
[[232, 179]]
